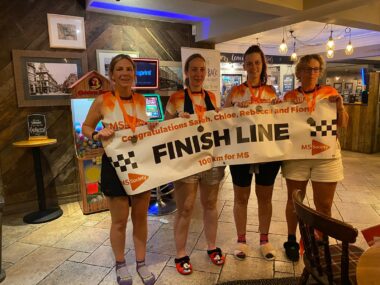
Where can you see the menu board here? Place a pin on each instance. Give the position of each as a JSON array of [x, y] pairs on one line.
[[37, 126]]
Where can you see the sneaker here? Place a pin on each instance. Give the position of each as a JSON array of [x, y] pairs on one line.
[[146, 276], [123, 276]]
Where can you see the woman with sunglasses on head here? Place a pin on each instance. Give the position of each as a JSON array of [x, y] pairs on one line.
[[121, 107], [195, 100], [323, 173], [254, 91]]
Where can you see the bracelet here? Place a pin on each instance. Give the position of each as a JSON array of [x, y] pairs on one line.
[[94, 134]]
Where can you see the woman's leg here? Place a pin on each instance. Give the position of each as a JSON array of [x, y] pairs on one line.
[[209, 196], [184, 194], [323, 195], [119, 209], [291, 216], [139, 215], [264, 201]]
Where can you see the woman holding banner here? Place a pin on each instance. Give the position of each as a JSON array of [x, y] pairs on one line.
[[194, 99], [121, 105], [254, 91], [323, 173]]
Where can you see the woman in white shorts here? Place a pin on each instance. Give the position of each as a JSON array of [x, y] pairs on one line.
[[323, 173]]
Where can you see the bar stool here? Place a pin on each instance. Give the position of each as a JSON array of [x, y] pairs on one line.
[[162, 202]]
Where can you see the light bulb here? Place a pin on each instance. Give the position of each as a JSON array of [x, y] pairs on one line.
[[294, 56], [330, 44], [283, 48], [330, 53], [349, 49]]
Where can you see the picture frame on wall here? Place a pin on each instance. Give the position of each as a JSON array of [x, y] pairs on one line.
[[338, 86], [171, 75], [349, 86], [66, 31], [104, 57], [43, 77]]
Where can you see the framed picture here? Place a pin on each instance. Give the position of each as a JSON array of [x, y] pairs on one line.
[[171, 75], [338, 87], [359, 89], [104, 57], [43, 77], [66, 31], [348, 86]]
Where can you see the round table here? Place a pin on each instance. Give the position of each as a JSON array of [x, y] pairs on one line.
[[44, 214], [368, 267]]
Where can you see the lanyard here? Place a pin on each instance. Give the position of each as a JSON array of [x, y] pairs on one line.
[[310, 102], [198, 109], [130, 120], [255, 99]]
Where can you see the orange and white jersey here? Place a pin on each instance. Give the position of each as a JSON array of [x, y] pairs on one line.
[[113, 115], [176, 101], [321, 92], [261, 94]]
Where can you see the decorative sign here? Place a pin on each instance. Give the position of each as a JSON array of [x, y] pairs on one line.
[[37, 127], [288, 83], [239, 58]]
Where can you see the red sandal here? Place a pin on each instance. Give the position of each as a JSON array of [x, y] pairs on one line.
[[183, 265], [216, 256]]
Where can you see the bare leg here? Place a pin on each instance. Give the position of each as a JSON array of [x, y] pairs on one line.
[[264, 201], [185, 194], [241, 197], [140, 204], [291, 217], [209, 195], [323, 195], [119, 209]]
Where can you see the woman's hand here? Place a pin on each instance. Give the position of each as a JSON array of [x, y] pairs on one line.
[[217, 109], [243, 104], [276, 101], [183, 115], [152, 125], [298, 100], [338, 100], [105, 133]]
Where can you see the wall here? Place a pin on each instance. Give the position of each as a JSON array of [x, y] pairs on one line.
[[23, 25]]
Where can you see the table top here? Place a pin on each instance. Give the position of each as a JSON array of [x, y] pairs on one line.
[[368, 268], [34, 143]]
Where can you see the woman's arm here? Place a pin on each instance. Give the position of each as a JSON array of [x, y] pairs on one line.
[[342, 115]]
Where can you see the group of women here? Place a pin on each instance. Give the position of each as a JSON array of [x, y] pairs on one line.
[[124, 104]]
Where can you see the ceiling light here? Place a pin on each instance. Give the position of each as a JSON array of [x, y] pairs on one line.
[[294, 56], [330, 53], [349, 48], [283, 48], [330, 43]]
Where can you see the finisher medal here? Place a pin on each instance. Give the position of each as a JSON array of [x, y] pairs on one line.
[[200, 128], [259, 108], [134, 139], [310, 121]]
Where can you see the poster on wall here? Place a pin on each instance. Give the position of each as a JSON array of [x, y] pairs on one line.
[[288, 83], [212, 81]]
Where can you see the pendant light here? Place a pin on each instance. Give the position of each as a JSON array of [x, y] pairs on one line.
[[349, 48], [330, 43], [283, 48], [330, 53], [294, 56]]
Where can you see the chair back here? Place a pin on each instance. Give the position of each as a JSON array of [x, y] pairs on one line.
[[318, 252]]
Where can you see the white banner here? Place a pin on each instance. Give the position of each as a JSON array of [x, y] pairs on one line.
[[212, 57], [178, 148]]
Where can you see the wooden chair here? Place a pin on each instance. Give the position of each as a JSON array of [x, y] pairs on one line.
[[328, 264]]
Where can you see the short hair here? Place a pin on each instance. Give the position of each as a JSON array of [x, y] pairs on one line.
[[187, 64], [304, 60], [257, 49], [116, 59]]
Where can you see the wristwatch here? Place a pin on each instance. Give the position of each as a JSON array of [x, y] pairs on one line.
[[94, 134]]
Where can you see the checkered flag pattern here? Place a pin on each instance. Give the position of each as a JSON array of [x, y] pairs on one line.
[[323, 129], [122, 162]]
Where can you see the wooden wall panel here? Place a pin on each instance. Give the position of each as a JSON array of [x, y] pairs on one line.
[[23, 25]]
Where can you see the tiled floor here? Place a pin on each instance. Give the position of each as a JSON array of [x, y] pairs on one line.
[[75, 249]]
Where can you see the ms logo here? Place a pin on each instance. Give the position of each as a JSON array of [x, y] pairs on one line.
[[322, 129]]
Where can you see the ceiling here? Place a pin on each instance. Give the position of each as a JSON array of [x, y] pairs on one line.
[[235, 25]]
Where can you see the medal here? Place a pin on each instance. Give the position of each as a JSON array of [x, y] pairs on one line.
[[134, 139], [200, 128], [198, 109], [259, 108], [255, 99], [310, 102], [310, 121]]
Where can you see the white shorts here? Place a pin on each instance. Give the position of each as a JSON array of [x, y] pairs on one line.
[[318, 170], [209, 177]]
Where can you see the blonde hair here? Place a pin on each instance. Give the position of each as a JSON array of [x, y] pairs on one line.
[[304, 60]]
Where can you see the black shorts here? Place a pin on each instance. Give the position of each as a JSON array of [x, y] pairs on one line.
[[110, 182], [266, 175]]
